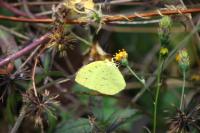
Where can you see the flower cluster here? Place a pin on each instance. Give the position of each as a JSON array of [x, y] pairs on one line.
[[183, 59], [122, 54], [121, 57]]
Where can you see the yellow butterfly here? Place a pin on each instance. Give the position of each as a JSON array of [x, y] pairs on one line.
[[101, 76]]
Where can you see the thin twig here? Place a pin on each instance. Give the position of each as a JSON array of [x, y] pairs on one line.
[[44, 13], [26, 9], [19, 120], [25, 50], [34, 68], [14, 33], [55, 82], [69, 64], [33, 77], [24, 63]]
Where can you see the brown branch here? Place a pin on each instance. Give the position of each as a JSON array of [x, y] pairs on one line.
[[107, 19], [29, 20], [25, 50], [152, 14]]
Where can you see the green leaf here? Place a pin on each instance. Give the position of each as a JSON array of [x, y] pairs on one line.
[[21, 84], [10, 107], [118, 118], [47, 61], [109, 105], [121, 115], [109, 116], [52, 122], [54, 73], [74, 126]]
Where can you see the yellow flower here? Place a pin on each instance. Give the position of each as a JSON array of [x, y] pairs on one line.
[[122, 54], [183, 59], [164, 51]]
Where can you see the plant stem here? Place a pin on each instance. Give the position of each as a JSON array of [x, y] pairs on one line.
[[183, 92], [160, 62], [19, 120], [135, 75]]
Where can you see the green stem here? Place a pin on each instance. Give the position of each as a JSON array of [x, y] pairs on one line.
[[134, 74], [183, 92], [157, 93], [81, 39]]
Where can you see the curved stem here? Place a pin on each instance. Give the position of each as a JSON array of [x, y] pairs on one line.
[[135, 75], [160, 62], [183, 92]]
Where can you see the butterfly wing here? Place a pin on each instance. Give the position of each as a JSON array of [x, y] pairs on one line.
[[101, 76]]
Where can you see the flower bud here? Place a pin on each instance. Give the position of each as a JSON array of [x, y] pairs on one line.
[[164, 52], [183, 59], [165, 22]]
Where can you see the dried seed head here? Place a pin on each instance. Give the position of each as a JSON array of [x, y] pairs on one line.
[[38, 106]]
